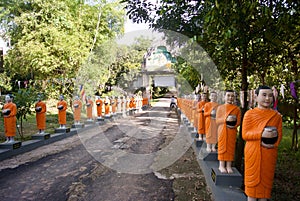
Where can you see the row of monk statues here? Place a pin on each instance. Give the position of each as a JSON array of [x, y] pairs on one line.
[[105, 107], [218, 124]]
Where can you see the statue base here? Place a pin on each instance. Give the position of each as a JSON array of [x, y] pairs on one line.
[[80, 125], [89, 121], [208, 156], [199, 143], [11, 145], [226, 179], [43, 136], [107, 116], [191, 128], [194, 134], [100, 119], [62, 130]]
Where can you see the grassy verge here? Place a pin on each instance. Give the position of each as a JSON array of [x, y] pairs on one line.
[[287, 176]]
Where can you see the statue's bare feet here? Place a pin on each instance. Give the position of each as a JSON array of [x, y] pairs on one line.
[[222, 169], [229, 170], [208, 149]]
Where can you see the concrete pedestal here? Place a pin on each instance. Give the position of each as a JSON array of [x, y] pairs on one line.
[[199, 143], [62, 130], [225, 179], [89, 122], [11, 145], [194, 134], [207, 156], [80, 125], [44, 136]]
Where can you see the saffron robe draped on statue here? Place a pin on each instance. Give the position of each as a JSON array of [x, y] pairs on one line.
[[260, 162], [201, 119], [89, 109], [62, 113], [77, 104], [99, 104], [227, 136], [210, 123], [10, 120], [41, 116]]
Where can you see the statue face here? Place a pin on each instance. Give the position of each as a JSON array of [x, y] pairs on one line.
[[264, 98], [203, 97], [213, 97], [229, 97]]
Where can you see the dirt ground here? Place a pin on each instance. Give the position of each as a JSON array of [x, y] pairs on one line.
[[70, 170]]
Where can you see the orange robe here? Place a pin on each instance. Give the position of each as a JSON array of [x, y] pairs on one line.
[[114, 105], [41, 116], [106, 108], [201, 119], [210, 124], [227, 136], [260, 162], [195, 113], [99, 104], [77, 110], [132, 103], [89, 109], [10, 120], [62, 114], [145, 101]]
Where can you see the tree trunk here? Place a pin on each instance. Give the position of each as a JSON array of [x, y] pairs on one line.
[[239, 152]]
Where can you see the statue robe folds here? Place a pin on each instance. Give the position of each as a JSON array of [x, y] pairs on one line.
[[89, 109], [201, 119], [10, 120], [41, 115], [210, 123], [99, 104], [62, 113], [260, 162], [227, 136], [77, 105]]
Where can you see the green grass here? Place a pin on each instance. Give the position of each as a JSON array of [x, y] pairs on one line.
[[287, 176]]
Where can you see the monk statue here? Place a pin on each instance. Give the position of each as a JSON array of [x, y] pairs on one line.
[[99, 104], [89, 109], [262, 131], [62, 112], [210, 122], [77, 105], [9, 113], [228, 119], [107, 107], [201, 120], [40, 109]]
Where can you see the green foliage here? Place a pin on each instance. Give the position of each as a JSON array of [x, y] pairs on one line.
[[24, 100]]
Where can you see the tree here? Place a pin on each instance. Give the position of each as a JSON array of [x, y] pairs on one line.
[[52, 39]]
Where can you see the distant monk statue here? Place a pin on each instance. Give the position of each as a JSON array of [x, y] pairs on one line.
[[62, 112], [201, 120], [89, 109], [262, 131], [210, 109], [40, 109], [228, 119], [99, 104], [9, 113], [77, 105]]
